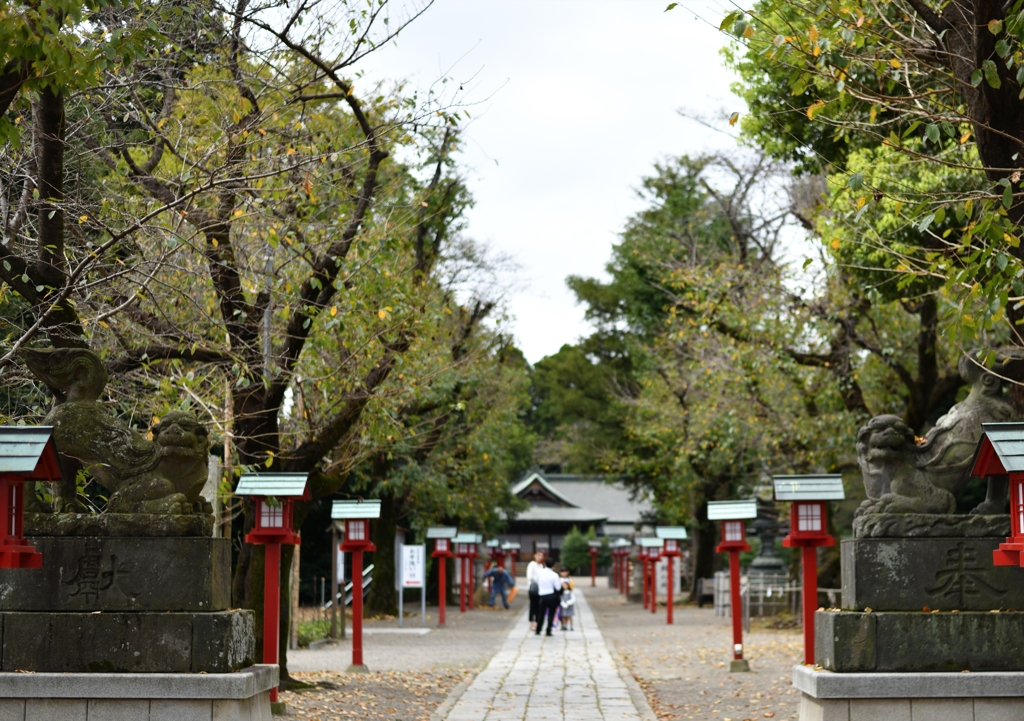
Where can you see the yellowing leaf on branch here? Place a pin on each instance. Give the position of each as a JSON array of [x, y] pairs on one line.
[[835, 244], [814, 109], [895, 63], [965, 137], [334, 310], [812, 34]]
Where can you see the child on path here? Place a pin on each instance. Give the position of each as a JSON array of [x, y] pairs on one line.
[[568, 604]]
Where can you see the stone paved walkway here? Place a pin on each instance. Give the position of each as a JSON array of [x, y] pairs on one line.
[[568, 677]]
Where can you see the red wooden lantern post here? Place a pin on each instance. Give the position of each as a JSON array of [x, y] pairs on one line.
[[642, 554], [272, 495], [443, 551], [998, 454], [27, 454], [512, 549], [613, 577], [670, 536], [357, 516], [807, 531], [465, 550], [594, 547], [650, 548], [734, 540], [497, 554], [620, 552]]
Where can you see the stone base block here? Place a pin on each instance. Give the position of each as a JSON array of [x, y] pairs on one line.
[[827, 696], [218, 642], [918, 642], [931, 525], [907, 574], [241, 696], [118, 524], [122, 574]]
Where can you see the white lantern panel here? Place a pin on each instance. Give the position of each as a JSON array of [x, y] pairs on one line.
[[356, 530], [808, 517], [733, 530], [270, 516]]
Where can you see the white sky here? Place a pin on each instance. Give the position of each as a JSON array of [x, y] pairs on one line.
[[578, 99]]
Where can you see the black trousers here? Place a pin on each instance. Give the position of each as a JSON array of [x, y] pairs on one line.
[[548, 607], [534, 606]]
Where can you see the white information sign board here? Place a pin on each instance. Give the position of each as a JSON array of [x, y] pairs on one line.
[[413, 573]]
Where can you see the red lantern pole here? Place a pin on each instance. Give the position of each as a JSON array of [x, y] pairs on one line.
[[357, 608], [471, 564], [643, 560], [735, 604], [810, 569], [462, 583], [626, 571], [442, 588], [593, 567], [515, 555], [668, 593], [271, 607], [654, 584]]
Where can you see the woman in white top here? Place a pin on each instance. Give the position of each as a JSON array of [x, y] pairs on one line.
[[533, 570]]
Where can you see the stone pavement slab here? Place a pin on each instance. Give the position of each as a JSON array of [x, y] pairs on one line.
[[570, 676]]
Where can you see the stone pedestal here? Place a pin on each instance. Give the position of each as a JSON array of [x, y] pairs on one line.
[[907, 574], [827, 696], [133, 605], [912, 641], [929, 629], [122, 574], [240, 696]]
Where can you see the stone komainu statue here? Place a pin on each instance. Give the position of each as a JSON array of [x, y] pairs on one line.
[[926, 476], [165, 475]]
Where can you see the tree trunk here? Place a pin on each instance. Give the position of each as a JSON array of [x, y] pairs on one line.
[[705, 535], [919, 404], [383, 598]]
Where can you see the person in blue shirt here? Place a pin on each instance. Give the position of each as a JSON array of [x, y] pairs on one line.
[[501, 582]]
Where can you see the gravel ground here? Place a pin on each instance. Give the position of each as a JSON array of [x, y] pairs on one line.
[[683, 668], [411, 675], [391, 695]]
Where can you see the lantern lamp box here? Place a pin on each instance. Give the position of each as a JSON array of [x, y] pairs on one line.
[[651, 542], [273, 494], [511, 546], [809, 495], [465, 544], [442, 536], [676, 532], [1000, 452], [732, 514], [27, 454], [357, 516], [494, 543]]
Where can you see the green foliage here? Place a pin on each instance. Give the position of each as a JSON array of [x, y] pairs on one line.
[[841, 89], [575, 549]]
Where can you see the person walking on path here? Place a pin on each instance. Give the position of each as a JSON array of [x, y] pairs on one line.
[[549, 588], [501, 581], [532, 572], [568, 604]]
